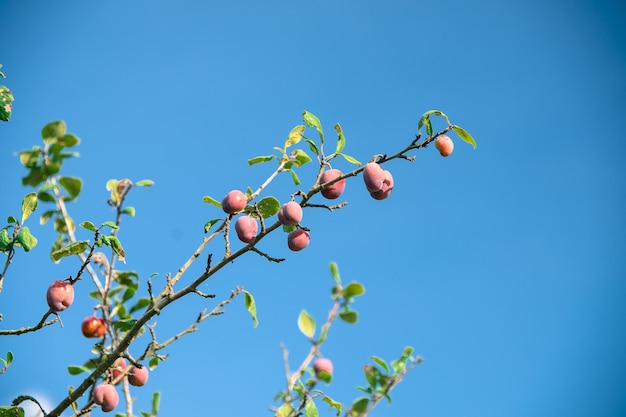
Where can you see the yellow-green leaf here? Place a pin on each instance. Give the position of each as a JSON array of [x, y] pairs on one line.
[[29, 204], [251, 307], [295, 136], [463, 134], [306, 324]]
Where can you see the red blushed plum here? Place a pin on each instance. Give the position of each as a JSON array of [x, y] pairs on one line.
[[336, 189], [444, 145], [116, 370], [234, 202], [298, 240], [374, 176], [290, 214], [323, 365], [60, 295], [93, 327], [138, 376], [106, 396], [246, 228], [387, 187]]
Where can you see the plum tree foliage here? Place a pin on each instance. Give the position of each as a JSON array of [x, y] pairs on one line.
[[123, 311]]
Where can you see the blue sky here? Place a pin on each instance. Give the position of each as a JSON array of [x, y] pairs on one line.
[[504, 266]]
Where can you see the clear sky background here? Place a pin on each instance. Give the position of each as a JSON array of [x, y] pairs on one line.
[[503, 266]]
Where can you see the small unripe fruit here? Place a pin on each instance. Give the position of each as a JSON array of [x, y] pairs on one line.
[[444, 145], [234, 202], [373, 175], [298, 240], [336, 189], [138, 376], [93, 327], [60, 295], [387, 187], [106, 396], [323, 365], [116, 370], [290, 214], [246, 228]]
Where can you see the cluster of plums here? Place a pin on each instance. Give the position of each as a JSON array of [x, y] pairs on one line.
[[105, 395], [378, 181], [246, 227], [60, 296]]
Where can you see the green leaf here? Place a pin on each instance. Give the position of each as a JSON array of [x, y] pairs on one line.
[[210, 224], [333, 404], [268, 206], [111, 185], [294, 177], [289, 229], [68, 140], [45, 216], [372, 375], [116, 245], [25, 239], [300, 157], [312, 146], [211, 200], [399, 364], [359, 406], [463, 134], [75, 370], [350, 317], [381, 363], [334, 272], [144, 183], [11, 220], [425, 120], [124, 325], [73, 248], [128, 278], [351, 159], [129, 210], [311, 120], [306, 324], [9, 358], [156, 399], [53, 130], [251, 307], [30, 158], [140, 305], [45, 197], [29, 204], [284, 410], [110, 224], [325, 376], [153, 363], [89, 226], [260, 159], [407, 351], [354, 289], [11, 411], [72, 185], [128, 294], [5, 240], [34, 178], [294, 136], [341, 140], [310, 409]]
